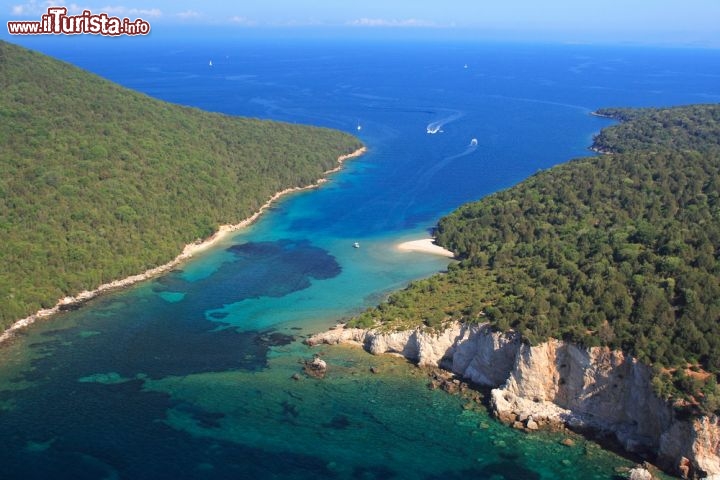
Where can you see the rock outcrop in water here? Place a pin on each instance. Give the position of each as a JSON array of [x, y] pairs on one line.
[[557, 383], [317, 367]]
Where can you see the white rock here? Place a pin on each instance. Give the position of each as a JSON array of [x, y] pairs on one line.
[[556, 382], [639, 474]]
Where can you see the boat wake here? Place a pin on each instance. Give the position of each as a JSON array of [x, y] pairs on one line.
[[468, 150], [424, 176], [436, 127], [427, 175]]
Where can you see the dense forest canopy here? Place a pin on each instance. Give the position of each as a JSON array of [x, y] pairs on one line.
[[619, 250], [695, 127], [99, 182]]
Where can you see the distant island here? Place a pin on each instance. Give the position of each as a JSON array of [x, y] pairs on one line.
[[616, 257], [100, 183]]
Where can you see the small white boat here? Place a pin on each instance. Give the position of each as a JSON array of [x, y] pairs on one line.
[[359, 127], [356, 245], [473, 142], [210, 63]]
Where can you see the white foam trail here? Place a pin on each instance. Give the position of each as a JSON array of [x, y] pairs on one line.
[[436, 127], [468, 150], [428, 174], [424, 177], [544, 102]]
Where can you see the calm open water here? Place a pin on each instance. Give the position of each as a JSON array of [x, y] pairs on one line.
[[189, 375]]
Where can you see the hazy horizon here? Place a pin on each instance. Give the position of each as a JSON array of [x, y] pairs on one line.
[[641, 22]]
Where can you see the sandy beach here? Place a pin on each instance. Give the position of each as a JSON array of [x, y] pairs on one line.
[[187, 253], [425, 245]]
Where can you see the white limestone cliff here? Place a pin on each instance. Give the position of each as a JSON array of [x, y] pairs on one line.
[[558, 383]]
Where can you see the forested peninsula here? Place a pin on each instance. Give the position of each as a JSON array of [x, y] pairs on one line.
[[99, 182], [617, 250]]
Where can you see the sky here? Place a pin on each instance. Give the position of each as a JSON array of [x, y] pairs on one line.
[[680, 22]]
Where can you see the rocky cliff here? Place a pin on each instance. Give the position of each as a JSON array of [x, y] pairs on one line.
[[559, 383]]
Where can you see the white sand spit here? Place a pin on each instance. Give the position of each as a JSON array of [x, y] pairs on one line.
[[425, 245]]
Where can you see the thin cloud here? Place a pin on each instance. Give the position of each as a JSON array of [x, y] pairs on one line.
[[240, 20], [135, 12], [383, 22], [293, 22], [35, 8], [32, 7], [188, 14]]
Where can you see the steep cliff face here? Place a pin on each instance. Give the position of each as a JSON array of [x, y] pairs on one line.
[[559, 383], [596, 388], [692, 448], [605, 390]]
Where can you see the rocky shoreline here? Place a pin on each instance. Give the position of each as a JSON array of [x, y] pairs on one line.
[[555, 385]]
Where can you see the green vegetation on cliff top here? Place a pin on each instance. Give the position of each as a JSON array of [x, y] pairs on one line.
[[99, 182], [619, 250]]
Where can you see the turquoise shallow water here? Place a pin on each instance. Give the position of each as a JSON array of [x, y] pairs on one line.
[[189, 375]]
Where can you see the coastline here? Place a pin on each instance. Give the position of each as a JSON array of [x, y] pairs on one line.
[[425, 245], [602, 115], [599, 150], [555, 385], [188, 251]]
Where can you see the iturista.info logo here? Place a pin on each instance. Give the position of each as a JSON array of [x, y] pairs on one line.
[[57, 22]]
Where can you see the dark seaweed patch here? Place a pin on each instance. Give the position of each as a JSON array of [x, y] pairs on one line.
[[274, 339], [338, 422]]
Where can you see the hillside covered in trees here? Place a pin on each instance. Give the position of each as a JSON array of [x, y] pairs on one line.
[[99, 182], [619, 250]]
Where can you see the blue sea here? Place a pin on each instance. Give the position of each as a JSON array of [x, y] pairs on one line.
[[190, 375]]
